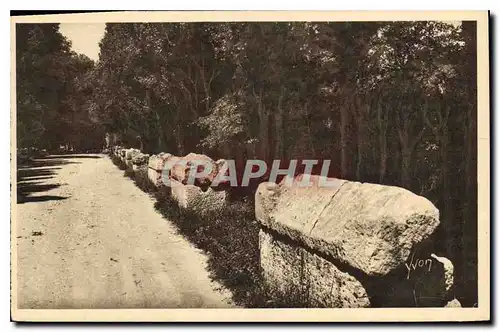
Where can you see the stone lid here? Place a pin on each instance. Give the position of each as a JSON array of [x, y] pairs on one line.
[[368, 226]]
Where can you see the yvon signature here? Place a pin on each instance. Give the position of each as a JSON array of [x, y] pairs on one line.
[[418, 263]]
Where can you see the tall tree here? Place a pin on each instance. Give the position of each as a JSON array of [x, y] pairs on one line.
[[42, 55]]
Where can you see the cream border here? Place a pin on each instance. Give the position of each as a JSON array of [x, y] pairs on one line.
[[482, 312]]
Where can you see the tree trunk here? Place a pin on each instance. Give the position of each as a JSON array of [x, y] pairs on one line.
[[382, 140], [383, 159], [279, 123], [408, 143], [263, 128], [344, 164], [361, 144], [180, 140], [157, 117], [141, 145], [160, 132], [406, 155], [309, 131], [447, 216], [362, 112]]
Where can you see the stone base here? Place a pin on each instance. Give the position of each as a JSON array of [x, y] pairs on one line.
[[155, 177], [193, 198], [140, 168], [301, 278], [129, 163]]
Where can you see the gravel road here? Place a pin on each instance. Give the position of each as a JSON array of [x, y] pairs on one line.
[[87, 237]]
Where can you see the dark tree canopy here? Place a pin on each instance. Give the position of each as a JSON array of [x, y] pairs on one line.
[[52, 89]]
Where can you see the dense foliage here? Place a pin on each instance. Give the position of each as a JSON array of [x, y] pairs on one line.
[[52, 90], [387, 102]]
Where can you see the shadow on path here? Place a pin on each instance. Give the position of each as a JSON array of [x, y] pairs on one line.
[[68, 156], [34, 178], [24, 173], [45, 163], [31, 177], [35, 199]]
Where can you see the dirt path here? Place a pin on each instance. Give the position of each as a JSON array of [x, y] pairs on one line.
[[102, 245]]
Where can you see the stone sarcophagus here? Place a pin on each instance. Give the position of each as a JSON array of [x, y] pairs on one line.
[[140, 160], [129, 155], [173, 172], [337, 243], [194, 163], [194, 198], [122, 154], [117, 151], [158, 167]]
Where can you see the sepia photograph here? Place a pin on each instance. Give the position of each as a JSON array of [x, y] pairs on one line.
[[217, 163]]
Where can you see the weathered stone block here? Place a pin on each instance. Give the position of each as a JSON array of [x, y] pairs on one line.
[[157, 162], [131, 153], [380, 236], [121, 154], [156, 168], [370, 227], [128, 163], [302, 278], [116, 150], [194, 198], [181, 169], [140, 170], [140, 159]]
